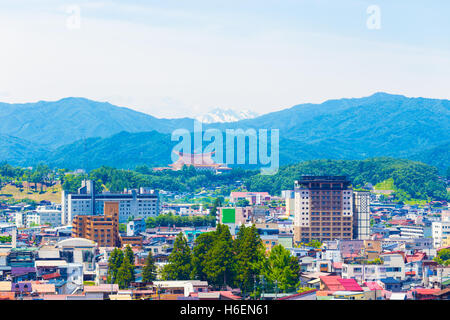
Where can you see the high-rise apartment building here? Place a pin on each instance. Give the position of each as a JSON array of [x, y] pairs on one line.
[[104, 229], [142, 203], [323, 209], [361, 215]]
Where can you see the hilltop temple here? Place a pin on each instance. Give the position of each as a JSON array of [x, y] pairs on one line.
[[200, 161]]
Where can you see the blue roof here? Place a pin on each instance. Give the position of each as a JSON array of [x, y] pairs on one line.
[[390, 280]]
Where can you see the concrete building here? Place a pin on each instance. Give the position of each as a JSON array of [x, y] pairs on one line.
[[142, 203], [104, 230], [49, 215], [393, 267], [43, 215], [361, 215], [135, 227], [235, 215], [289, 198], [323, 209], [440, 233]]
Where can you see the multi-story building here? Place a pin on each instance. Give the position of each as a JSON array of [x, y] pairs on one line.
[[361, 215], [142, 203], [440, 233], [235, 215], [104, 229], [323, 208], [393, 266], [289, 198]]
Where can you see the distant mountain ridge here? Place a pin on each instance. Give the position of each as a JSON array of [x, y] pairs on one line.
[[52, 124], [382, 124]]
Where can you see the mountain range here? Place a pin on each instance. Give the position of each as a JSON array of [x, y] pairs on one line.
[[78, 132]]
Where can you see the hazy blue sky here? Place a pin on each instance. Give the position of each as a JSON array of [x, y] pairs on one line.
[[173, 58]]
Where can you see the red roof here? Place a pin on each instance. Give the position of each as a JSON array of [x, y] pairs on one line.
[[350, 285], [426, 291], [418, 256], [297, 294], [229, 295], [372, 285], [332, 283], [51, 276]]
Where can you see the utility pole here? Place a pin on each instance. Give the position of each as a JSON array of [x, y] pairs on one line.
[[276, 289]]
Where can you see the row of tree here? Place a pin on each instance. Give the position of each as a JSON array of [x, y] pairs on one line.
[[224, 262], [166, 220]]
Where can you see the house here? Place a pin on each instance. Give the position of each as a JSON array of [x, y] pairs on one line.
[[376, 288], [103, 289], [183, 287], [392, 284]]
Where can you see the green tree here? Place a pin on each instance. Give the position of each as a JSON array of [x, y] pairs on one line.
[[180, 261], [201, 247], [314, 243], [149, 270], [242, 203], [249, 251], [114, 263], [129, 255], [220, 260], [125, 274], [281, 269]]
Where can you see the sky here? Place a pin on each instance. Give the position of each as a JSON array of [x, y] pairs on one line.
[[177, 58]]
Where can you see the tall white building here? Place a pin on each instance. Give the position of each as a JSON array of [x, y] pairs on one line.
[[361, 215], [141, 203], [440, 232]]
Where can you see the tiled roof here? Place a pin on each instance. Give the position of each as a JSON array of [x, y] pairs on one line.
[[43, 288], [372, 285], [418, 256], [51, 276], [229, 295], [350, 285], [7, 296], [426, 291], [102, 288], [332, 283], [297, 294]]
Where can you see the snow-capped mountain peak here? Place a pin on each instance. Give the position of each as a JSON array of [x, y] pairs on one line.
[[226, 115]]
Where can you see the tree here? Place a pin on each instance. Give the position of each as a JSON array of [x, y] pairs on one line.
[[180, 261], [314, 243], [249, 251], [242, 203], [125, 274], [219, 260], [202, 245], [129, 255], [281, 269], [149, 270], [114, 263]]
